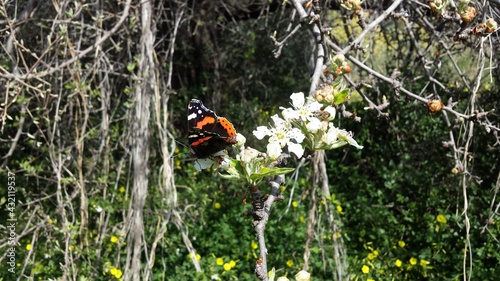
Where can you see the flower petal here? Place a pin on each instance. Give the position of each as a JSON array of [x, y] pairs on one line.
[[295, 134], [278, 122], [347, 136], [331, 135], [290, 114], [314, 106], [274, 150], [297, 99], [296, 149], [261, 131], [313, 125]]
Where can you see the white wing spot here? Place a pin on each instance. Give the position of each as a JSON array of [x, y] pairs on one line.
[[192, 116]]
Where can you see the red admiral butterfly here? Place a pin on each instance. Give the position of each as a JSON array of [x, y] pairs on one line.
[[208, 133]]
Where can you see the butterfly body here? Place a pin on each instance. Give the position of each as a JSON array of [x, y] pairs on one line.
[[208, 133]]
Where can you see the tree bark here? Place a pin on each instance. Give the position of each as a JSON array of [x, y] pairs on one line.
[[140, 153]]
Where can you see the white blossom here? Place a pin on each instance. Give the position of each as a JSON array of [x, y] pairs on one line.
[[281, 135], [331, 135], [314, 125], [301, 110], [347, 136]]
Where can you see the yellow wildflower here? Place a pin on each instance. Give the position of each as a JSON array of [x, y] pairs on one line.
[[115, 272], [197, 256], [295, 204], [339, 209], [424, 263], [113, 239], [232, 263], [217, 205], [302, 219], [373, 255], [441, 219], [401, 244], [398, 263], [365, 269], [413, 261], [28, 247], [255, 245], [219, 261], [122, 189], [227, 266], [289, 263]]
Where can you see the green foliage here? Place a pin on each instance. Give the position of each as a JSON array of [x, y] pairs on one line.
[[396, 203], [404, 217]]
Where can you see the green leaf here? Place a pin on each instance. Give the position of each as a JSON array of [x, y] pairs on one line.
[[341, 96], [70, 86], [131, 66], [271, 172], [230, 176]]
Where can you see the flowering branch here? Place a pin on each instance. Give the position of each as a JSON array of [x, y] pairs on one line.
[[301, 130]]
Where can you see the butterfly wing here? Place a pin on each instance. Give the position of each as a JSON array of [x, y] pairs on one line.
[[200, 117], [208, 134]]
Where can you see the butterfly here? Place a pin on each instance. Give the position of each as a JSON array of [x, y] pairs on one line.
[[208, 133]]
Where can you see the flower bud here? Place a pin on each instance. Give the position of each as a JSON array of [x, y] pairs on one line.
[[435, 105], [249, 154], [240, 140], [468, 14], [303, 276], [490, 25]]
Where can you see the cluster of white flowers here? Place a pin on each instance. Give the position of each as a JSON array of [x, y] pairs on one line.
[[306, 125], [281, 135]]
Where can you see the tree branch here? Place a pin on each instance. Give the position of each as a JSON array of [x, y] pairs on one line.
[[51, 70], [261, 208]]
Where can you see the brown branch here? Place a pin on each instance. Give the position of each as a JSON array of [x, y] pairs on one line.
[[288, 34], [495, 212], [311, 221], [20, 127], [339, 249], [314, 26], [396, 84], [371, 26], [74, 59], [261, 208]]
